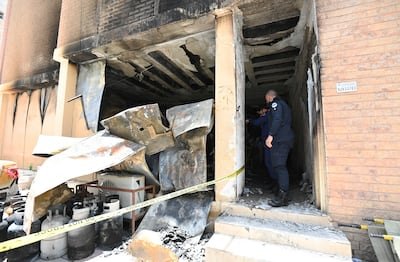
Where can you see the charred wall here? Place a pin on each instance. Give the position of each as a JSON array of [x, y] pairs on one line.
[[30, 38], [88, 24]]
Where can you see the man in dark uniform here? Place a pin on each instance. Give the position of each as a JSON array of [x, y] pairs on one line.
[[280, 141], [262, 122]]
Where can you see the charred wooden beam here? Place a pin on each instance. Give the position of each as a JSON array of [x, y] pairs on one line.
[[165, 70], [271, 28], [116, 78], [181, 75], [290, 71], [268, 39], [152, 79], [277, 56], [277, 66], [157, 77], [275, 71], [272, 79], [275, 62]]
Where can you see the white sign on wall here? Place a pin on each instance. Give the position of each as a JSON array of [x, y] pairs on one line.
[[344, 87]]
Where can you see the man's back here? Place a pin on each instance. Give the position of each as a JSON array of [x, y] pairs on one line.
[[280, 121]]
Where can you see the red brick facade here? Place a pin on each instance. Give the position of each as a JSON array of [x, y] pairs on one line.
[[360, 41]]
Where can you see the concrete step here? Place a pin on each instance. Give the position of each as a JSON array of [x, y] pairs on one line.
[[235, 249], [304, 236], [292, 213]]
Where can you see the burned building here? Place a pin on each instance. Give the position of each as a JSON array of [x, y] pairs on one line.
[[335, 62]]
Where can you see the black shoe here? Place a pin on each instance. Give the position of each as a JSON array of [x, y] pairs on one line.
[[280, 200]]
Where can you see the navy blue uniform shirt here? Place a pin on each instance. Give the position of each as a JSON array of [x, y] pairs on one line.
[[280, 121], [262, 122]]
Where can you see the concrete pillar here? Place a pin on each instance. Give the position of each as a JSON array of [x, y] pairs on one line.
[[66, 89], [229, 104]]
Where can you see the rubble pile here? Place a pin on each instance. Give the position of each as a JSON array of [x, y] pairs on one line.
[[185, 247]]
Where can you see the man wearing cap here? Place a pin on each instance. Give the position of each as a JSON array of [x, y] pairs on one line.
[[280, 141]]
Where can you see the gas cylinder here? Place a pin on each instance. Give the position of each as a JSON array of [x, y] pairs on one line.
[[54, 247], [110, 230], [16, 230], [3, 230], [81, 241]]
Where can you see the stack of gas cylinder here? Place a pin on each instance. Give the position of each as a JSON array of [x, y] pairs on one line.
[[76, 244]]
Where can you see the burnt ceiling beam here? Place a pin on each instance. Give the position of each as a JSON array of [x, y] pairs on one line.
[[168, 71], [268, 39], [153, 79], [185, 75], [276, 66], [271, 28], [274, 70], [272, 79], [274, 62], [148, 72], [115, 78], [285, 54], [290, 71]]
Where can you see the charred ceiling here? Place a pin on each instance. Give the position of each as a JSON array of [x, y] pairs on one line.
[[180, 69]]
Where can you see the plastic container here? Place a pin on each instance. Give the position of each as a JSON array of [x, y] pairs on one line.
[[81, 241], [110, 230], [15, 230], [54, 247]]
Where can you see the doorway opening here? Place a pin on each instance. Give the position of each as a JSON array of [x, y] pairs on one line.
[[283, 56]]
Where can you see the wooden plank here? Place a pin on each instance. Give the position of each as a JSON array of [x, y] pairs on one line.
[[382, 248], [392, 227]]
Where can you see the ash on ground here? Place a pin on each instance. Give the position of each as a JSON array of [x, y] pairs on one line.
[[185, 247]]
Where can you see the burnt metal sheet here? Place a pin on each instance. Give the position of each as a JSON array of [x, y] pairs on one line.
[[185, 165], [187, 117], [188, 212], [50, 145], [141, 125], [90, 85], [94, 154]]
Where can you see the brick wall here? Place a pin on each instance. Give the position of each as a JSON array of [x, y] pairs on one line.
[[115, 13], [98, 22], [31, 38], [360, 41], [78, 19]]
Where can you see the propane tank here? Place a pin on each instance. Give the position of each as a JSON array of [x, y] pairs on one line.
[[81, 241], [54, 247], [3, 231], [110, 230], [15, 230]]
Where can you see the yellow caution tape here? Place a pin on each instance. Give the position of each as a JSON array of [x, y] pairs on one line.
[[51, 232]]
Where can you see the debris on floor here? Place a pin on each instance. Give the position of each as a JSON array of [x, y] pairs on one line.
[[185, 247], [148, 246], [188, 212]]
